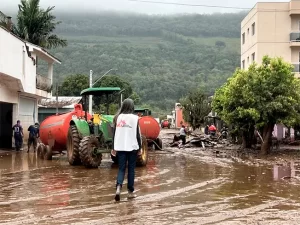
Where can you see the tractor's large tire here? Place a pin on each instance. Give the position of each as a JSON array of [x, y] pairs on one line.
[[142, 159], [47, 153], [86, 151], [159, 144], [114, 159], [73, 146]]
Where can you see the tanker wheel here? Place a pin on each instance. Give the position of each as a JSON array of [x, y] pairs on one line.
[[40, 151], [73, 146], [143, 158], [114, 159], [47, 152], [159, 144], [87, 152]]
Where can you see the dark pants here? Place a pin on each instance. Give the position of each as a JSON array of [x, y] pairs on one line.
[[32, 140], [18, 141], [123, 159], [183, 139]]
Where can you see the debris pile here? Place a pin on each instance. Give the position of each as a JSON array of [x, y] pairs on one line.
[[199, 140]]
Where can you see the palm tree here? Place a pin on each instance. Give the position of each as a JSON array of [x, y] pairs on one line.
[[36, 25]]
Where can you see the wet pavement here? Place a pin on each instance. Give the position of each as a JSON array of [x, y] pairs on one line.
[[184, 187]]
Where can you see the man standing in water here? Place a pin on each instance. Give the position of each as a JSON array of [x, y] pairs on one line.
[[127, 143], [18, 135], [33, 136]]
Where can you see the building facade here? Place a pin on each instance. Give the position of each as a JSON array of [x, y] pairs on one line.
[[20, 85], [271, 28]]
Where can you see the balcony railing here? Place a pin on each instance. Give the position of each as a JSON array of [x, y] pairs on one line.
[[43, 83], [295, 36]]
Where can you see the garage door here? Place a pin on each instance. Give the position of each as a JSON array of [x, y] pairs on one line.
[[27, 110]]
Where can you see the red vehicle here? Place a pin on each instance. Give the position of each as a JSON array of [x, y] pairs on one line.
[[165, 123]]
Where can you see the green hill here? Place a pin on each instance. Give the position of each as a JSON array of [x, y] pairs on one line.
[[162, 56]]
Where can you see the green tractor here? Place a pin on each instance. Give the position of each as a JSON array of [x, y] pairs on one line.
[[91, 136]]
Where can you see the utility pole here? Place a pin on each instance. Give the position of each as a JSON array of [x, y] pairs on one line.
[[90, 97], [56, 99]]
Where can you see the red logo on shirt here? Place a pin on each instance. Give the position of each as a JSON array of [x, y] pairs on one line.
[[123, 123]]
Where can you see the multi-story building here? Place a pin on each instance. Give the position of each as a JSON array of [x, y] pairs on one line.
[[271, 28], [20, 85]]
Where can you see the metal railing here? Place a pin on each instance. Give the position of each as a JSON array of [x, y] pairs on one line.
[[3, 17], [43, 83], [295, 36]]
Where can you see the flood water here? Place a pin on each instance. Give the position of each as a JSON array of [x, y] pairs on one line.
[[174, 188]]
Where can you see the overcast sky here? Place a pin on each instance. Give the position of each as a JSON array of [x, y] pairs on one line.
[[129, 6]]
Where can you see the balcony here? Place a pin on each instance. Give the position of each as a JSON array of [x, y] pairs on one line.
[[295, 39], [296, 69], [43, 83]]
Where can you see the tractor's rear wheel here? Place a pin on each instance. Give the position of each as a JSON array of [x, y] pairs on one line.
[[143, 158], [159, 144], [73, 146], [87, 152], [47, 153]]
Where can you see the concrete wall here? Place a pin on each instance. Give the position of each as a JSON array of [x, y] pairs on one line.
[[272, 37]]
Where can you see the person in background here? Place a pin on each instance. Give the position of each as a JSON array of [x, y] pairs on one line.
[[18, 135], [212, 130], [206, 129], [33, 136], [127, 145], [182, 134]]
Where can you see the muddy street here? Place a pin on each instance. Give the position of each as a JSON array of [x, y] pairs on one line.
[[183, 187]]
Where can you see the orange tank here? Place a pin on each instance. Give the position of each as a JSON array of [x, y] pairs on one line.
[[54, 129], [149, 127]]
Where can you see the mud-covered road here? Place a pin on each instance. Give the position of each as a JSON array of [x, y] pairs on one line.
[[185, 187]]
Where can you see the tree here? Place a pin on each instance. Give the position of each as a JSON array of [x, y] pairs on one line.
[[36, 25], [260, 97], [73, 85], [196, 107]]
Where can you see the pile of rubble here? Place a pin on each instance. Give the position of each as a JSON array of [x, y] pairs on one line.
[[200, 140]]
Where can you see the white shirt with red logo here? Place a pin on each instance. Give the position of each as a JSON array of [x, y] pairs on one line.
[[126, 133]]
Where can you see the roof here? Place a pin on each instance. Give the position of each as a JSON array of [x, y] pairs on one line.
[[33, 46], [100, 91], [63, 102], [140, 109]]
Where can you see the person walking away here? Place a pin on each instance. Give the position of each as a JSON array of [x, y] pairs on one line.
[[33, 136], [127, 144], [18, 135], [182, 134]]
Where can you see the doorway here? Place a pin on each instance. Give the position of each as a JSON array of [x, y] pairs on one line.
[[6, 114]]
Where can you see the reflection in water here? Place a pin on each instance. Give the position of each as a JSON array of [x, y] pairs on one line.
[[287, 170]]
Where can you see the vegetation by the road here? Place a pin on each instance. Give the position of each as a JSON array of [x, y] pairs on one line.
[[196, 107], [259, 98]]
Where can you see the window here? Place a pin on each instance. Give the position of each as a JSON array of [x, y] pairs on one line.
[[253, 28], [248, 59], [243, 38], [253, 56], [299, 25], [243, 64], [248, 31]]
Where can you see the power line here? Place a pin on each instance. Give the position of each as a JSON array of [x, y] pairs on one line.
[[209, 6], [185, 4]]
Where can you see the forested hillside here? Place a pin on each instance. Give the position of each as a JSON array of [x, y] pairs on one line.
[[162, 57]]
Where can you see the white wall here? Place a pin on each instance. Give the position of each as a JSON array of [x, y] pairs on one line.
[[14, 62]]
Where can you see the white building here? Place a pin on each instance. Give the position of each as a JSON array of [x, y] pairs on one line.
[[20, 85]]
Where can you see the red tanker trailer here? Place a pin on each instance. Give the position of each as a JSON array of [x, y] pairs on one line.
[[150, 129], [54, 132]]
